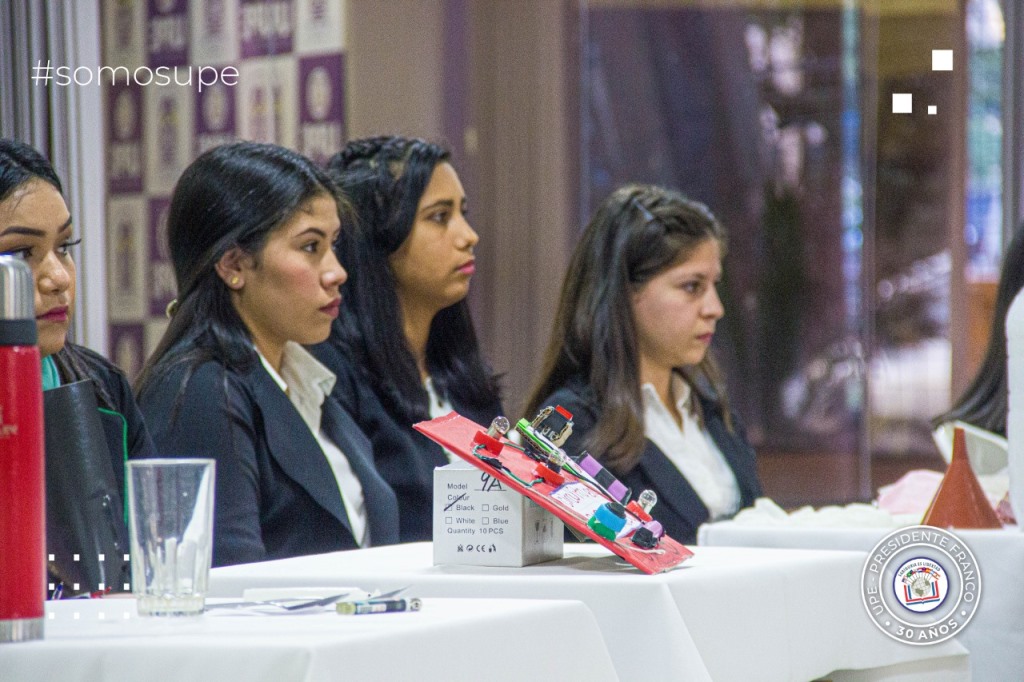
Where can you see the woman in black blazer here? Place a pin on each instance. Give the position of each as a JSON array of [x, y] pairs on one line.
[[35, 224], [404, 348], [628, 358], [250, 230]]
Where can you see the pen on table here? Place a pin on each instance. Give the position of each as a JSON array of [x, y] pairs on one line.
[[359, 608], [58, 591]]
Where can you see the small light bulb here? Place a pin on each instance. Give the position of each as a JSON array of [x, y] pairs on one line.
[[499, 427], [647, 500], [556, 458]]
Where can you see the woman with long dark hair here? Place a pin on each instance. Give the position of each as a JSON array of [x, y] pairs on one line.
[[628, 357], [250, 230], [35, 225], [984, 402], [404, 340]]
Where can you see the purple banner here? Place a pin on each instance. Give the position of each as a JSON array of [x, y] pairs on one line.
[[127, 349], [162, 288], [167, 33], [266, 26], [215, 117], [322, 106], [124, 133]]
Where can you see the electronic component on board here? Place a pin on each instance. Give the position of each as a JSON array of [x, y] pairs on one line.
[[604, 477], [554, 423], [642, 505], [544, 436], [608, 520], [549, 474], [492, 439], [499, 427], [648, 535]]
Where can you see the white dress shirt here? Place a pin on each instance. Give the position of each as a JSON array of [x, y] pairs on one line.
[[691, 449], [439, 407], [307, 383]]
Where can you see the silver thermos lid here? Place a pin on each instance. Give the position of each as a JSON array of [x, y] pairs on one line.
[[17, 290], [17, 303]]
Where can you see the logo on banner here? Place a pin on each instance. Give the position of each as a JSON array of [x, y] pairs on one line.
[[921, 585]]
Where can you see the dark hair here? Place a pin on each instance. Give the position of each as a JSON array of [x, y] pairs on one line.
[[636, 233], [232, 196], [384, 178], [20, 164], [984, 402]]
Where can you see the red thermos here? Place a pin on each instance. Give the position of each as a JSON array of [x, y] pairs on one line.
[[22, 471]]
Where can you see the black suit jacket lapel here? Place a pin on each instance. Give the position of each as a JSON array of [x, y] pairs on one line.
[[677, 493], [732, 449], [381, 506], [293, 446]]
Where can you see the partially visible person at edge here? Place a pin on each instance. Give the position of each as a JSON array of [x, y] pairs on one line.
[[984, 402], [404, 342], [628, 357], [36, 226], [250, 229]]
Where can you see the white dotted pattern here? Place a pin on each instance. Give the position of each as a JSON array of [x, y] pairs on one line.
[[902, 103], [942, 60]]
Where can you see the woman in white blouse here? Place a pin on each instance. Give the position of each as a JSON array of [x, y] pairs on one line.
[[628, 357], [404, 348], [250, 230]]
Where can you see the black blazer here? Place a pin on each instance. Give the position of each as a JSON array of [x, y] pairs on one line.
[[123, 425], [276, 494], [403, 456], [679, 508], [85, 469]]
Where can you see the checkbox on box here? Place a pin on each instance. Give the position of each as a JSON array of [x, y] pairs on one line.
[[942, 60], [485, 507], [485, 521], [902, 103], [447, 520]]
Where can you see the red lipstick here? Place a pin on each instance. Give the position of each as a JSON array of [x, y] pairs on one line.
[[58, 314]]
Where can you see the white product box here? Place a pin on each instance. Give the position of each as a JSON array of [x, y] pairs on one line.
[[479, 521]]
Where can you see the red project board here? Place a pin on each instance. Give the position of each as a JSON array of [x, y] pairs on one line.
[[456, 433]]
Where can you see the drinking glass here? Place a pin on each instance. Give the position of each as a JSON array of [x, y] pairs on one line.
[[170, 509]]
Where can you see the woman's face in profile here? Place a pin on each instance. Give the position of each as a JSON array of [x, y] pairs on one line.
[[35, 225], [290, 291], [675, 312], [434, 264]]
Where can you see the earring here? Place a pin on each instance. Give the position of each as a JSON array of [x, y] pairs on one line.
[[234, 280]]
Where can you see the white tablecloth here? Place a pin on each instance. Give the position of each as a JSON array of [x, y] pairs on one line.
[[994, 637], [449, 639], [726, 614]]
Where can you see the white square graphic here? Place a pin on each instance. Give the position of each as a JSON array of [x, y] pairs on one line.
[[902, 103], [932, 110], [485, 521], [485, 507], [942, 60]]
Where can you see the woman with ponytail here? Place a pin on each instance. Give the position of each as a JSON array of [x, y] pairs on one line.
[[404, 341]]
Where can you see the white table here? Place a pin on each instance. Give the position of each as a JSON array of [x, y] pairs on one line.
[[994, 637], [726, 614], [449, 639]]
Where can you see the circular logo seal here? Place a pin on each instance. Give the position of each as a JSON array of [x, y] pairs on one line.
[[921, 585]]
